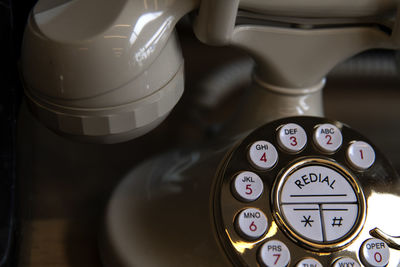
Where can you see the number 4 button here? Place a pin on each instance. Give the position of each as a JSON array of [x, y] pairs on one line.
[[263, 155], [361, 155]]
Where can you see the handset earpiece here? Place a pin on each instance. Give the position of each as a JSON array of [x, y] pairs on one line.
[[103, 71]]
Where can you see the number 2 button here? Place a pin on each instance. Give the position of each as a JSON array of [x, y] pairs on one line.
[[328, 137]]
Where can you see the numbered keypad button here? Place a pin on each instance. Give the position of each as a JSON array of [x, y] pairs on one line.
[[247, 186], [308, 262], [361, 155], [328, 138], [274, 253], [374, 253], [346, 261], [292, 137], [263, 155], [251, 223]]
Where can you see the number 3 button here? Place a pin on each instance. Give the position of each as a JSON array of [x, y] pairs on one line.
[[292, 137], [251, 223], [247, 186]]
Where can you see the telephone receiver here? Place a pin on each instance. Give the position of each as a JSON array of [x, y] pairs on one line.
[[284, 187]]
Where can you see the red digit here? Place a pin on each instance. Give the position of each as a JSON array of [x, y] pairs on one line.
[[361, 152], [329, 137], [277, 258], [249, 191], [253, 227], [294, 141], [264, 157], [378, 257]]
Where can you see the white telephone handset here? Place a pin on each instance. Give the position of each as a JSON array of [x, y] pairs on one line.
[[299, 191]]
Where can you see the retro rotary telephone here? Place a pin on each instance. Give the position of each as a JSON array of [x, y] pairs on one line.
[[298, 191]]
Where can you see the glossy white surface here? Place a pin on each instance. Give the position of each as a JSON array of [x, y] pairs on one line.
[[361, 155], [248, 186], [374, 253], [274, 253], [305, 220], [251, 223], [309, 262], [317, 184], [103, 78], [328, 137], [292, 137], [263, 155], [346, 262], [118, 44], [339, 219], [315, 8]]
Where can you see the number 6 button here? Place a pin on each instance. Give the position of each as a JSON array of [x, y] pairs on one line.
[[251, 223], [248, 186]]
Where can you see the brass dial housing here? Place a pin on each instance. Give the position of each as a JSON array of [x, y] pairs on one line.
[[376, 191]]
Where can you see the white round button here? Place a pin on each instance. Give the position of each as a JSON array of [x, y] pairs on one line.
[[248, 186], [374, 253], [361, 155], [274, 253], [263, 155], [328, 137], [251, 223], [346, 261], [318, 203], [308, 262], [292, 137]]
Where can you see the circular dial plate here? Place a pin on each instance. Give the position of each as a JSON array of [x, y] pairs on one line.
[[317, 201], [347, 210]]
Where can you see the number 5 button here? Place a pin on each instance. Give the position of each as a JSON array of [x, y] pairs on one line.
[[247, 186], [263, 155], [251, 223], [292, 137], [328, 137]]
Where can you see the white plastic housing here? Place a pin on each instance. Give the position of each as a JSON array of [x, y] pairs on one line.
[[103, 71]]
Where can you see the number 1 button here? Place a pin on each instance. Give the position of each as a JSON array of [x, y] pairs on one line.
[[361, 155], [263, 155]]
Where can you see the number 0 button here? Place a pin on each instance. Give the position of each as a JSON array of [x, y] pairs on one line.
[[292, 137], [374, 253], [328, 137], [251, 223], [263, 155], [274, 253], [248, 186], [361, 155]]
